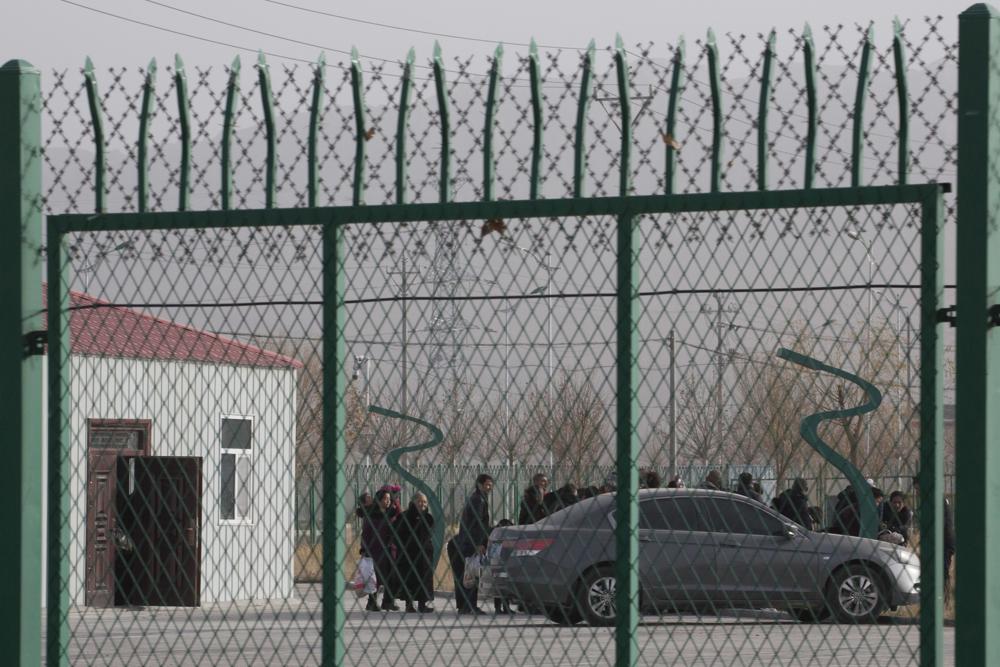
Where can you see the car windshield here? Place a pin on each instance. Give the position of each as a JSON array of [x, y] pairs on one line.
[[588, 513]]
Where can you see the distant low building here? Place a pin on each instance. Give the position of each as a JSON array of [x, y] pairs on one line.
[[181, 463]]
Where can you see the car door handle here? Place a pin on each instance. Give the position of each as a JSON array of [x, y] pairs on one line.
[[645, 539], [731, 544]]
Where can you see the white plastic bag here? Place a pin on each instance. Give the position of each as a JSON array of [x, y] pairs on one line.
[[486, 586], [473, 570], [365, 582]]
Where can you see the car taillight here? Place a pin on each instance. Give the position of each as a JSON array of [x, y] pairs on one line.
[[531, 547]]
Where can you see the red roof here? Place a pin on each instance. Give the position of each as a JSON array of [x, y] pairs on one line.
[[99, 328]]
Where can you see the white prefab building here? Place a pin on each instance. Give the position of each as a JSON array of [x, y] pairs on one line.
[[182, 463]]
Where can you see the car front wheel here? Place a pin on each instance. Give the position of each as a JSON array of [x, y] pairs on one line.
[[856, 594], [596, 596]]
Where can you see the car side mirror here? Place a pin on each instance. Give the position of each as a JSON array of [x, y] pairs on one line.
[[790, 532]]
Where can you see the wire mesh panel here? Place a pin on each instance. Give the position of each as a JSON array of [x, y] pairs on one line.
[[192, 397], [179, 444], [566, 430]]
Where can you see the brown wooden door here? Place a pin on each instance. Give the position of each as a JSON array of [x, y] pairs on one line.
[[101, 523], [162, 518], [106, 441]]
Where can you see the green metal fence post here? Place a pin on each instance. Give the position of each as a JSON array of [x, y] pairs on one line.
[[21, 410], [184, 121], [809, 62], [491, 102], [57, 479], [670, 139], [626, 500], [903, 98], [765, 99], [858, 129], [931, 433], [97, 126], [627, 410], [534, 74], [334, 482], [580, 134], [360, 130], [315, 117], [444, 185], [228, 123], [146, 112], [977, 419], [715, 87], [267, 108]]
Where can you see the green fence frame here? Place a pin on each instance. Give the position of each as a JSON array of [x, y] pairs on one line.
[[625, 210], [978, 356]]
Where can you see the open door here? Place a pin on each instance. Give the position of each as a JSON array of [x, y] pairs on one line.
[[159, 515]]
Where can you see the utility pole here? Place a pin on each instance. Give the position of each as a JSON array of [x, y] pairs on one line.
[[720, 358]]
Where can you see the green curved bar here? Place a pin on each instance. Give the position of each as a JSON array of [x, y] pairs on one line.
[[145, 115], [899, 56], [97, 123], [392, 458], [535, 76], [808, 431], [491, 102], [625, 161], [361, 132], [315, 114], [765, 98], [184, 120], [858, 132], [809, 60], [267, 105], [404, 117], [716, 90], [228, 119], [579, 150], [676, 89], [444, 187]]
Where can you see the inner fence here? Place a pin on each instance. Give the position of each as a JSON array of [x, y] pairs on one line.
[[567, 359]]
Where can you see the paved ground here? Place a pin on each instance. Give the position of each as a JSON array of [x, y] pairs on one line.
[[288, 633]]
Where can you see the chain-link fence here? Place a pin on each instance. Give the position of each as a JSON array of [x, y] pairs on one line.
[[210, 362]]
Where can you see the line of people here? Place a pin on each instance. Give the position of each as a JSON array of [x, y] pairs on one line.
[[400, 543]]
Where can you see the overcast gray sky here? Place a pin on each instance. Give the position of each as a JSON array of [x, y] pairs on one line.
[[59, 33]]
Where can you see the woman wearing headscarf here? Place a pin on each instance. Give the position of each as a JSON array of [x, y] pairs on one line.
[[416, 555]]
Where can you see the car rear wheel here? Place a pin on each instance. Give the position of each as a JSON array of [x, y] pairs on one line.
[[856, 594], [596, 596]]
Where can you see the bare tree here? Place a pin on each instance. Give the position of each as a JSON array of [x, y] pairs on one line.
[[573, 423]]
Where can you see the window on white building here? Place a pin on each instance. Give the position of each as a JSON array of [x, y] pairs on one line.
[[236, 467]]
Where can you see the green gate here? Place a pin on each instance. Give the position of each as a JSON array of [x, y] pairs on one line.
[[201, 363]]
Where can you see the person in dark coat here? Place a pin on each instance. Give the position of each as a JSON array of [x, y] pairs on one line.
[[848, 519], [377, 540], [532, 504], [794, 503], [713, 481], [896, 516], [744, 487], [416, 554], [561, 498], [473, 534]]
